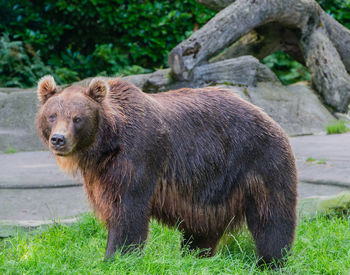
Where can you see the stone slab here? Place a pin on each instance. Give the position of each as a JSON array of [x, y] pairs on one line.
[[33, 170], [31, 208], [314, 190], [332, 158], [296, 108], [42, 204], [17, 121]]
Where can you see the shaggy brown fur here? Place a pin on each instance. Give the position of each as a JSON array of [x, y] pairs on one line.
[[203, 159]]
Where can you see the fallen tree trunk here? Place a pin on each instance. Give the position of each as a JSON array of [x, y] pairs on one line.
[[244, 71], [263, 41], [328, 72], [298, 27], [340, 37]]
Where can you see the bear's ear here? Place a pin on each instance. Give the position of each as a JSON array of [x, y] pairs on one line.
[[46, 88], [98, 89]]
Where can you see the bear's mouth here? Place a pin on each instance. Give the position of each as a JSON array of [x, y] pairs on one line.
[[61, 154], [61, 151]]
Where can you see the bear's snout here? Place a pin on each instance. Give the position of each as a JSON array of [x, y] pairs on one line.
[[58, 140]]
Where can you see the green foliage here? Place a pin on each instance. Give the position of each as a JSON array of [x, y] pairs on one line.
[[20, 65], [78, 39], [321, 247], [339, 9], [338, 127], [316, 161], [10, 150], [287, 70]]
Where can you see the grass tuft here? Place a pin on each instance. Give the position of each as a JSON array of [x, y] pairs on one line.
[[316, 161], [10, 150], [322, 246], [338, 127]]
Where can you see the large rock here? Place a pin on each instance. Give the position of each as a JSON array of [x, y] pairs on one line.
[[323, 159], [17, 121], [296, 108]]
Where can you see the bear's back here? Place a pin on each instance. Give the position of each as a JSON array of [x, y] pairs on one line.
[[214, 135], [201, 125]]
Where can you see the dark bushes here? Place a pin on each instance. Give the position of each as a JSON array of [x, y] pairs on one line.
[[77, 39]]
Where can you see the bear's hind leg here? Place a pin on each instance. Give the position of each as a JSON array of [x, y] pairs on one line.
[[206, 243], [272, 231]]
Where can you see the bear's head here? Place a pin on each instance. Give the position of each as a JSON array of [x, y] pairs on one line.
[[68, 119]]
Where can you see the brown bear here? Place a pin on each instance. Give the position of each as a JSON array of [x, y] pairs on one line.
[[202, 159]]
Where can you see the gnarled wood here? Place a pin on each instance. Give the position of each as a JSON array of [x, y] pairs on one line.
[[263, 41], [226, 72], [340, 37], [294, 26], [329, 75], [230, 72], [230, 24]]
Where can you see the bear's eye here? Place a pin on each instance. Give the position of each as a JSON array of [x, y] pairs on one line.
[[76, 119], [52, 118]]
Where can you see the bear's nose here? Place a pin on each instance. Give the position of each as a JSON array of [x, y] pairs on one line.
[[58, 140]]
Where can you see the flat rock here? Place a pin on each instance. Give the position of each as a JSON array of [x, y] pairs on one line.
[[296, 107], [323, 159], [34, 192], [33, 170], [42, 204], [31, 208], [320, 191], [17, 121]]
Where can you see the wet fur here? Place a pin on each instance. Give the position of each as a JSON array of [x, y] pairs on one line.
[[202, 159]]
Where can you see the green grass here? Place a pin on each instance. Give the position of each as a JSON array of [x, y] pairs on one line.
[[316, 161], [338, 127], [322, 246], [10, 150]]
